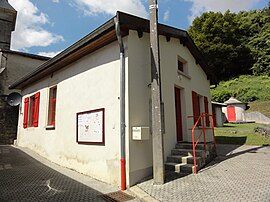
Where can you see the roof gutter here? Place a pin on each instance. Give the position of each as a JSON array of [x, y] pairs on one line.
[[122, 103]]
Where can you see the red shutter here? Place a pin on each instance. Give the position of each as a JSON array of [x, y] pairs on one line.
[[53, 111], [25, 114], [36, 112], [195, 105], [206, 111]]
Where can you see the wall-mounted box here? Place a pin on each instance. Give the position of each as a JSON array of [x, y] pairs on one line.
[[140, 133]]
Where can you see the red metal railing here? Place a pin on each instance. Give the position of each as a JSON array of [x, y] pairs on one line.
[[201, 119]]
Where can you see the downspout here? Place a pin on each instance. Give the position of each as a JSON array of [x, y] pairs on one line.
[[122, 103]]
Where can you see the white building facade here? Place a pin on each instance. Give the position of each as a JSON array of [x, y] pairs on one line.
[[71, 110]]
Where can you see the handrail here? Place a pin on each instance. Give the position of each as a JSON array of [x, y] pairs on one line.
[[203, 129]]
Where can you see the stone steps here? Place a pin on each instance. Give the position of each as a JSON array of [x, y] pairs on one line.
[[179, 167], [181, 159], [187, 152], [199, 146]]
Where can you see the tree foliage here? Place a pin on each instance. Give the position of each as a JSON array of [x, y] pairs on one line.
[[234, 44]]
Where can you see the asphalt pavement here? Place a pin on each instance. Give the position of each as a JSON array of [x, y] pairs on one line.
[[23, 178]]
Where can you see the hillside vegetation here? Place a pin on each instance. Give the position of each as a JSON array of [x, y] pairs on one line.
[[236, 47], [246, 88]]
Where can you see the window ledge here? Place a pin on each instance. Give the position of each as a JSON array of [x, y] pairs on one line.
[[50, 127], [183, 74]]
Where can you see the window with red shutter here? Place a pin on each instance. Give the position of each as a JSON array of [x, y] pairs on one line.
[[25, 113], [36, 109], [207, 120], [31, 111], [52, 106], [196, 107]]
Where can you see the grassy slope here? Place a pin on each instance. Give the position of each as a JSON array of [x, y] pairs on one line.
[[240, 134], [263, 107]]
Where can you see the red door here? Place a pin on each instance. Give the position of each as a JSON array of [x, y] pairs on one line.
[[231, 113], [178, 114]]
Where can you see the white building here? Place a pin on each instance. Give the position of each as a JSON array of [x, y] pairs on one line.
[[235, 110], [71, 110], [218, 115]]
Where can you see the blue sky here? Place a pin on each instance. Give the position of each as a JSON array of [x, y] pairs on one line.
[[47, 27]]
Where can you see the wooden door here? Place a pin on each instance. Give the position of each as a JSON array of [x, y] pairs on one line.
[[178, 113], [231, 113]]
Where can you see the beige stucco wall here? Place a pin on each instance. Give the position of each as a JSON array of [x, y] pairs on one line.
[[140, 152], [90, 83]]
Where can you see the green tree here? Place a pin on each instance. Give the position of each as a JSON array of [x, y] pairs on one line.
[[255, 26], [218, 37], [234, 44]]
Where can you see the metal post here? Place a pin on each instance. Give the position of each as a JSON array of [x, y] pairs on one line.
[[157, 135]]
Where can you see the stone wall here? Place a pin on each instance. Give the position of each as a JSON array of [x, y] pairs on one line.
[[257, 117], [8, 122], [264, 131], [13, 65]]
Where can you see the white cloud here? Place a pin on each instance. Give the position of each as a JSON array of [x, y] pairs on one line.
[[55, 1], [200, 6], [49, 54], [95, 7], [29, 31], [166, 16]]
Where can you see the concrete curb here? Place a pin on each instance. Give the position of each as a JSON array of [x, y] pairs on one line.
[[142, 195]]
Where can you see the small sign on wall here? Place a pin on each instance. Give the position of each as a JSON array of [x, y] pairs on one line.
[[90, 127]]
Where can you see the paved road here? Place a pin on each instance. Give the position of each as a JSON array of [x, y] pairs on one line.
[[239, 173], [22, 178]]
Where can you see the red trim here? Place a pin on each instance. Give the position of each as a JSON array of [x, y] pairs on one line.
[[178, 113], [214, 114], [123, 173], [196, 107], [25, 115], [53, 112], [36, 109], [231, 114], [207, 120]]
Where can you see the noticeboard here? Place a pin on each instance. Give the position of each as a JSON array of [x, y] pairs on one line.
[[90, 127]]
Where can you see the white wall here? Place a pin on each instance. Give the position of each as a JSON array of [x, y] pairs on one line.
[[93, 82], [239, 111], [140, 152], [90, 83], [219, 116]]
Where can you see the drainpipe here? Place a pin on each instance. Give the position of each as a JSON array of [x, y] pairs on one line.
[[122, 103]]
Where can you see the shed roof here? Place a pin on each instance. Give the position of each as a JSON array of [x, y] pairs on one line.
[[233, 100], [104, 35], [29, 55], [219, 104]]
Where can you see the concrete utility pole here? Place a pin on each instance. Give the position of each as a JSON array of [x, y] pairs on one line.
[[157, 131]]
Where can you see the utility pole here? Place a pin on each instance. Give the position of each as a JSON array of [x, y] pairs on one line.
[[157, 130]]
